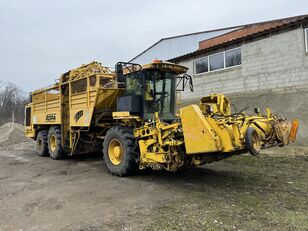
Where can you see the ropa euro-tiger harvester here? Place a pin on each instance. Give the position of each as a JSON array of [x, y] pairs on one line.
[[131, 115]]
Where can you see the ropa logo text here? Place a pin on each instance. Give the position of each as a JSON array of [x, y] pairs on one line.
[[51, 117]]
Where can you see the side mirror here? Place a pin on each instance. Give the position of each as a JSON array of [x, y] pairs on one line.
[[119, 72], [182, 82]]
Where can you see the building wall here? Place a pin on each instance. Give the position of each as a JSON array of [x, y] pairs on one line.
[[274, 73]]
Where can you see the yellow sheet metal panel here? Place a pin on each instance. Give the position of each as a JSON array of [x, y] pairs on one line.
[[51, 117], [46, 107], [225, 134], [107, 97], [92, 97], [39, 107], [81, 117], [199, 136]]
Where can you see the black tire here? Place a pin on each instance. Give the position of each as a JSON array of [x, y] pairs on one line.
[[55, 149], [42, 143], [124, 138], [253, 142]]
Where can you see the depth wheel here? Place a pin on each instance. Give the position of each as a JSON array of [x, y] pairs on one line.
[[253, 142], [118, 148], [54, 143], [42, 143]]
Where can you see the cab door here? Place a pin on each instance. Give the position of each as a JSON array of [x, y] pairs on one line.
[[28, 122]]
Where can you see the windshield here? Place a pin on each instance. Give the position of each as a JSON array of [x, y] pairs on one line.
[[158, 90]]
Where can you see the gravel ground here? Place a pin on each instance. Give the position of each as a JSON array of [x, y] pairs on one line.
[[241, 193]]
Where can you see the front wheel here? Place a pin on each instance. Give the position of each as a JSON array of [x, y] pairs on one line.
[[118, 148], [253, 142], [54, 143]]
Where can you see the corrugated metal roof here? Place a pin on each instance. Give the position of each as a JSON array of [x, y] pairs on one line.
[[202, 35], [245, 32]]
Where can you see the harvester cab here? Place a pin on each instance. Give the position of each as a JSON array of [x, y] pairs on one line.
[[151, 88]]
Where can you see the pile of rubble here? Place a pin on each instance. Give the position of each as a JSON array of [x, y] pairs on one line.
[[12, 138]]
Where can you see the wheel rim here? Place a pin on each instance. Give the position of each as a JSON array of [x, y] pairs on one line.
[[53, 143], [256, 141], [115, 152]]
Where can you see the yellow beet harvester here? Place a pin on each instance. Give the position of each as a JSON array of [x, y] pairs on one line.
[[130, 114]]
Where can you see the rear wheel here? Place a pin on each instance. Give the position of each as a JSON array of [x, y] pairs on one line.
[[54, 143], [118, 151], [42, 143], [253, 142]]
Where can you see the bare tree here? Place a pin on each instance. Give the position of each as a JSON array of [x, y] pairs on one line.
[[12, 99]]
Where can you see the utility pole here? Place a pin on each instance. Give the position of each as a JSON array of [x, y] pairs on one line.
[[13, 117]]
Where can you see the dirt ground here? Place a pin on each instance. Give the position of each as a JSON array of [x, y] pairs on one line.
[[268, 192]]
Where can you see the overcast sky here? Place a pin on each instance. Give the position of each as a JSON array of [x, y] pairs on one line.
[[40, 39]]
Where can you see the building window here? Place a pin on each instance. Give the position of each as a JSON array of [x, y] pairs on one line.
[[217, 62], [233, 57], [222, 60], [202, 65], [306, 39]]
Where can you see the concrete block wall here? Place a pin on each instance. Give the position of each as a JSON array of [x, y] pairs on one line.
[[274, 73]]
